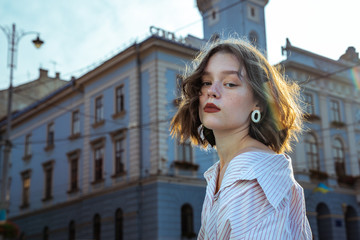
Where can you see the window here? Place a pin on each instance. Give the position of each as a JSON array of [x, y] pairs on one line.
[[119, 224], [309, 104], [252, 12], [312, 153], [96, 227], [335, 111], [98, 156], [73, 158], [119, 101], [50, 136], [119, 141], [26, 188], [99, 110], [187, 221], [119, 156], [72, 230], [324, 221], [184, 152], [351, 223], [213, 16], [46, 233], [27, 150], [339, 157], [99, 163], [48, 174], [75, 123]]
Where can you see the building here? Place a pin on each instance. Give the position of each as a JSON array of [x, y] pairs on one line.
[[329, 151], [28, 93], [94, 160]]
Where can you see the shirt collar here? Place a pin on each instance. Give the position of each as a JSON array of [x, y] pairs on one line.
[[212, 172], [272, 171]]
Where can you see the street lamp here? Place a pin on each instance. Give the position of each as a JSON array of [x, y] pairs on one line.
[[13, 38]]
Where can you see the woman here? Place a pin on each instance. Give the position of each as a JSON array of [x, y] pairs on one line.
[[234, 100]]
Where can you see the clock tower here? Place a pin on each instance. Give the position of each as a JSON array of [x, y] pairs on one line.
[[244, 18]]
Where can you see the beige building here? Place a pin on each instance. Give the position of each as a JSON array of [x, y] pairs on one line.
[[28, 93]]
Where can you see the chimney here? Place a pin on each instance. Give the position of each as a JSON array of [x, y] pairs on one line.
[[57, 75], [43, 73]]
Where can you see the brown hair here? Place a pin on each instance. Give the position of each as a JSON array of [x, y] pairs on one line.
[[281, 115]]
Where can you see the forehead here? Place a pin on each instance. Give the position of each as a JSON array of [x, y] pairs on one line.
[[222, 61]]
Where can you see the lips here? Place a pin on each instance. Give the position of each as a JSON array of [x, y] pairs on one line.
[[211, 108]]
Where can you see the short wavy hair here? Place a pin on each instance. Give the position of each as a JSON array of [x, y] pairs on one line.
[[279, 101]]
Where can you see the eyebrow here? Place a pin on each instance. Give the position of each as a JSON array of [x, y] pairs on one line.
[[228, 72]]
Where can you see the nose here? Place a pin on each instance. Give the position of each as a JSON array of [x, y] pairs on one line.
[[213, 91]]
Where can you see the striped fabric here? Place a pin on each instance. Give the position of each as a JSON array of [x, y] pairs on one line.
[[258, 199]]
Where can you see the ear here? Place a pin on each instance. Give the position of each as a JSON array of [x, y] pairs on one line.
[[257, 106]]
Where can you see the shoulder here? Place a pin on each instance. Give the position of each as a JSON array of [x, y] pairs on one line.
[[273, 173]]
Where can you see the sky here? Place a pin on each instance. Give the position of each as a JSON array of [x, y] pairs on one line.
[[80, 34]]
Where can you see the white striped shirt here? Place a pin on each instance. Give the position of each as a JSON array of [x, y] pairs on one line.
[[258, 199]]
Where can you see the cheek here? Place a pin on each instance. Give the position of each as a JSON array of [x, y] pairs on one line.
[[201, 100]]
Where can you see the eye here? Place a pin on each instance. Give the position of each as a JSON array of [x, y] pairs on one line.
[[231, 85], [206, 83]]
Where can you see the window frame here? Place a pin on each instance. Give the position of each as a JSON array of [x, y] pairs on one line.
[[311, 155], [27, 147], [339, 157], [335, 111], [181, 152], [119, 136], [50, 136], [75, 123], [73, 159], [187, 221], [310, 105], [48, 168], [98, 163], [25, 196], [119, 99], [99, 109]]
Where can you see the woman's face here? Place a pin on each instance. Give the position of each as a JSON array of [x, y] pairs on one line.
[[226, 98]]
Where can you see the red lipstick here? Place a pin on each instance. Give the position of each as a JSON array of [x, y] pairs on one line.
[[211, 108]]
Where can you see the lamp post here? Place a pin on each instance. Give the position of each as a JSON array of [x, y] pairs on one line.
[[13, 38]]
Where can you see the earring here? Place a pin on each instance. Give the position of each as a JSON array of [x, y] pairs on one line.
[[255, 116]]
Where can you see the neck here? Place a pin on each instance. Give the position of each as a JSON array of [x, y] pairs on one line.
[[230, 144]]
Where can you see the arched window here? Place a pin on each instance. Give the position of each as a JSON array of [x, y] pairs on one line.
[[324, 222], [253, 38], [119, 224], [96, 227], [339, 157], [312, 152], [351, 222], [46, 233], [72, 230], [187, 221]]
